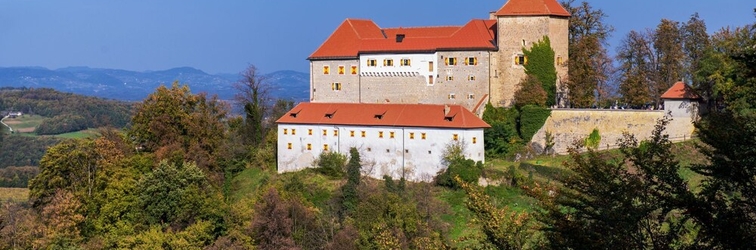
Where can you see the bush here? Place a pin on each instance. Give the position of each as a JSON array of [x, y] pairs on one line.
[[532, 119], [331, 164], [593, 140], [467, 170]]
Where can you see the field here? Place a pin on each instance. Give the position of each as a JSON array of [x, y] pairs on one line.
[[14, 194], [79, 134], [25, 123]]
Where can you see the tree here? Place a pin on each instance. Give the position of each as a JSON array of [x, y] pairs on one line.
[[636, 60], [696, 43], [349, 190], [541, 66], [530, 93], [178, 125], [668, 47], [272, 226], [254, 96], [589, 64]]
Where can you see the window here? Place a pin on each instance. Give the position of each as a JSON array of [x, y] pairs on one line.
[[369, 149], [286, 131], [430, 80], [326, 70], [391, 135], [351, 133], [388, 62], [450, 78], [559, 60], [523, 43], [470, 96], [309, 132], [335, 132], [422, 136], [309, 146], [451, 61], [354, 70], [471, 78], [412, 135], [452, 96], [372, 63], [404, 62], [288, 145], [341, 70], [471, 61], [335, 86], [325, 132], [430, 66], [475, 140], [380, 134], [455, 137], [293, 131], [521, 60], [362, 134], [325, 147]]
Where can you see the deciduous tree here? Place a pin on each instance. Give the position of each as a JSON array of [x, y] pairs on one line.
[[541, 66]]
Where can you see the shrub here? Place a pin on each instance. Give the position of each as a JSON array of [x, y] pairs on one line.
[[593, 140], [532, 119], [331, 164], [530, 93]]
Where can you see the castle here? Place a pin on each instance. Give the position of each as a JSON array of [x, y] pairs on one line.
[[469, 65]]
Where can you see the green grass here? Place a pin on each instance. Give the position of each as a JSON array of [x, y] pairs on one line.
[[460, 219], [25, 123], [89, 133], [14, 194], [247, 182]]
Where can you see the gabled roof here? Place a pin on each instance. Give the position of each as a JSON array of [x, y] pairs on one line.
[[395, 115], [532, 8], [356, 36], [680, 90]]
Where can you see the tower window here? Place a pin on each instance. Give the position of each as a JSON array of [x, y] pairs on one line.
[[388, 62], [451, 61], [404, 62], [326, 70], [341, 70], [450, 78], [452, 96], [521, 59], [559, 60], [471, 61], [354, 70], [372, 63], [471, 78], [335, 86]]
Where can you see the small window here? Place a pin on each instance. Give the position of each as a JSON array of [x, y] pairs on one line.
[[422, 136], [404, 62], [388, 62], [450, 78], [471, 77], [293, 131], [325, 147], [412, 135], [380, 134], [521, 60], [430, 80], [335, 132], [326, 70], [341, 70], [391, 135], [450, 61], [354, 70], [309, 146], [369, 149], [309, 132], [286, 131], [288, 145], [362, 134], [523, 43], [455, 137], [559, 61], [430, 66], [351, 133], [325, 132], [372, 63], [471, 61], [475, 140], [470, 96], [335, 86], [452, 96]]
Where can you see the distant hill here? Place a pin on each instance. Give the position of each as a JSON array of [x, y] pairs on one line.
[[135, 86]]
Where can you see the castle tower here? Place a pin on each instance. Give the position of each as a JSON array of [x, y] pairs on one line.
[[521, 23]]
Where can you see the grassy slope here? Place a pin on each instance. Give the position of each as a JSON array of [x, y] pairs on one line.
[[25, 123]]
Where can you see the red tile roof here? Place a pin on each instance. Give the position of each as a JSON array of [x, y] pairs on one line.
[[532, 8], [395, 115], [680, 90], [355, 36]]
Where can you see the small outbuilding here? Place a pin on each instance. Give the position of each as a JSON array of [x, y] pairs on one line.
[[681, 101]]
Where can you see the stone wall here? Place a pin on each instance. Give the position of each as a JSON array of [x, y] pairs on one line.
[[322, 88], [567, 126]]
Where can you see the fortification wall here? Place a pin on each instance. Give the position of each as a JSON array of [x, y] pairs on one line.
[[567, 126]]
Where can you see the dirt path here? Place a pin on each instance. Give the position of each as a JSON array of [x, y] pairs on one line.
[[9, 127]]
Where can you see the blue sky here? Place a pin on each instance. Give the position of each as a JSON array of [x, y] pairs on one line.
[[226, 36]]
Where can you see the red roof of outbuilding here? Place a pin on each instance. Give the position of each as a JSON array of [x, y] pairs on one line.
[[532, 8], [680, 90], [395, 115], [355, 36]]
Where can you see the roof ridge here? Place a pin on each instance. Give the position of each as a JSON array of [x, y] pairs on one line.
[[425, 27]]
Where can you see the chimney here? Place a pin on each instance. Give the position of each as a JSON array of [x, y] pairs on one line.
[[399, 38], [492, 15], [446, 110]]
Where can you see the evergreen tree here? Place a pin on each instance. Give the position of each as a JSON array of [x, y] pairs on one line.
[[349, 190]]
